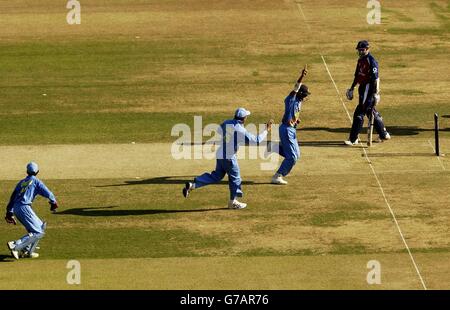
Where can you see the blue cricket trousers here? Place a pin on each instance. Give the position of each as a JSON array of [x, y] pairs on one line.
[[288, 148], [34, 226], [223, 166]]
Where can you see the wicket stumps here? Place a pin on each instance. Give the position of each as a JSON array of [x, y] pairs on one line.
[[436, 134]]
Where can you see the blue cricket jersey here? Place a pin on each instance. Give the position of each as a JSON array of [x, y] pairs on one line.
[[27, 189], [292, 107], [233, 135]]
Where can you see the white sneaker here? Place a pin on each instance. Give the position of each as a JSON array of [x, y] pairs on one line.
[[350, 143], [278, 179], [187, 189], [234, 204], [32, 255], [387, 137], [11, 246]]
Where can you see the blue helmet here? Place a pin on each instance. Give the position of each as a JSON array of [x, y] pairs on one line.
[[32, 168]]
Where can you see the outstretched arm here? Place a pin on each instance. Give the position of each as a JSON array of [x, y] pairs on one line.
[[45, 192], [252, 139], [298, 84]]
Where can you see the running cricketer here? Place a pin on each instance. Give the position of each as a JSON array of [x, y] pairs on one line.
[[233, 135], [20, 207]]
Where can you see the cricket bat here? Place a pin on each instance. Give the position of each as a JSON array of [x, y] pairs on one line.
[[370, 129]]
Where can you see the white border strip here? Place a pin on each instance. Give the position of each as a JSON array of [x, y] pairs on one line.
[[438, 158], [370, 163]]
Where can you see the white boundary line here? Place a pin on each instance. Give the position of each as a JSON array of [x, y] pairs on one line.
[[438, 158], [370, 163]]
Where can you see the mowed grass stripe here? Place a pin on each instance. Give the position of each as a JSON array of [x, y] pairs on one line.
[[290, 272], [114, 218], [161, 160]]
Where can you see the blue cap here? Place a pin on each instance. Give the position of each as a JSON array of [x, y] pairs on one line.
[[363, 44], [241, 113], [32, 168]]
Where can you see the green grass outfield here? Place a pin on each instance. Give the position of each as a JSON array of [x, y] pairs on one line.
[[75, 97]]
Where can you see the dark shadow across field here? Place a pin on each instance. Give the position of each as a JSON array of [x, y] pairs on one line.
[[393, 130], [172, 180], [6, 258], [109, 211], [324, 143], [399, 154]]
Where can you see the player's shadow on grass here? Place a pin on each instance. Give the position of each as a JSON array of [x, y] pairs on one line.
[[322, 143], [393, 130], [165, 180], [109, 211], [6, 258]]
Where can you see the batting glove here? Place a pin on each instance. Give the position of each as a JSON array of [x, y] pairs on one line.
[[53, 206], [10, 218], [349, 94]]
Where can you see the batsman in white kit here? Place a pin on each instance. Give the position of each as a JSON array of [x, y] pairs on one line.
[[19, 206]]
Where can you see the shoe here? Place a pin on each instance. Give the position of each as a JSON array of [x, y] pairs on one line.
[[11, 246], [187, 188], [32, 255], [350, 143], [234, 204], [278, 179], [386, 137]]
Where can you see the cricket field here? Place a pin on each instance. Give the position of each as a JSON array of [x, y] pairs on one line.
[[94, 105]]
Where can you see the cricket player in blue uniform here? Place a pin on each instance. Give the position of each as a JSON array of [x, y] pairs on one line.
[[20, 207], [288, 147], [367, 76], [233, 135]]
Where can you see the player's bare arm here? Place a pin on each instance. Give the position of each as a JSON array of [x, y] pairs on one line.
[[269, 125], [298, 84]]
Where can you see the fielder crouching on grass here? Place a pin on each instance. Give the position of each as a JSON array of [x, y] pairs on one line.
[[233, 135], [366, 75], [20, 206]]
